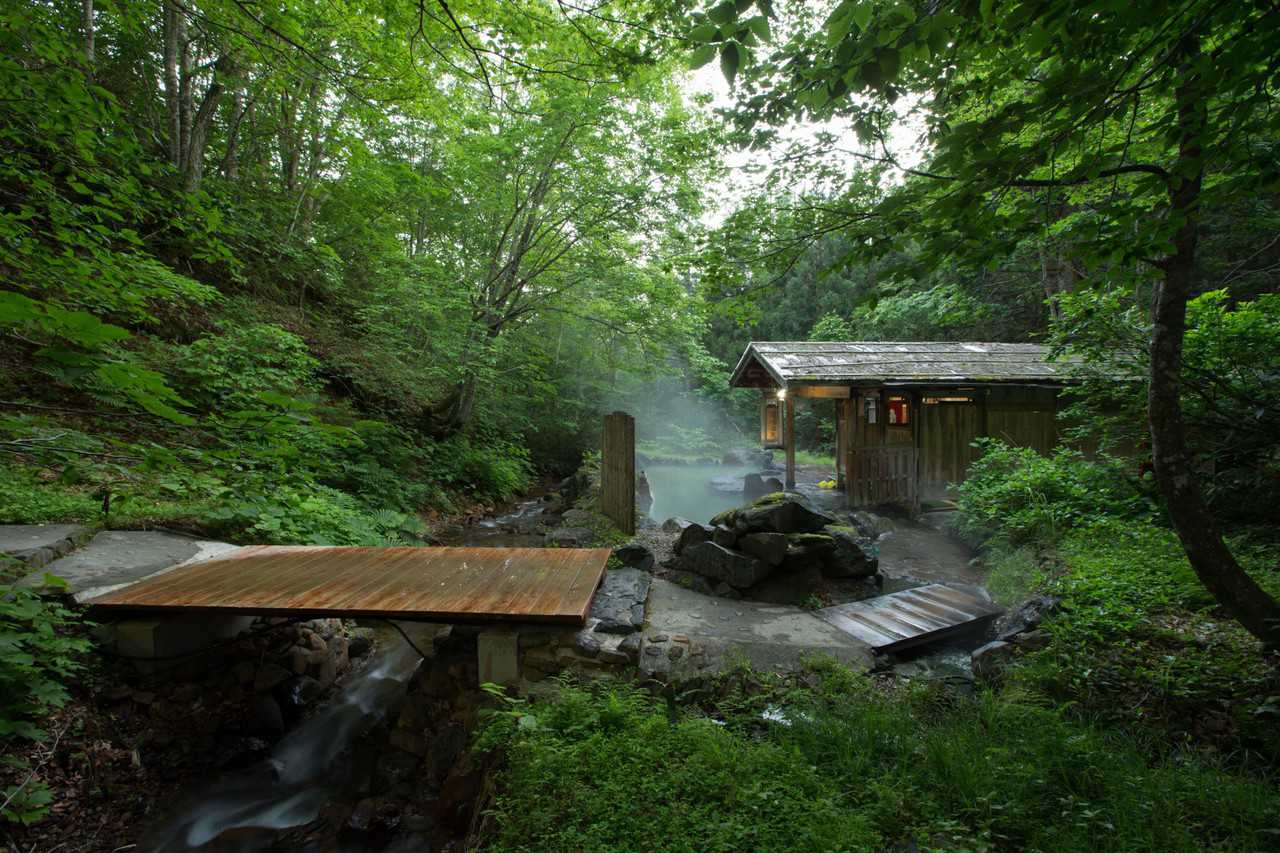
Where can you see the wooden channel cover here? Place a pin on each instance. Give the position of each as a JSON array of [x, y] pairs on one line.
[[442, 584], [910, 617]]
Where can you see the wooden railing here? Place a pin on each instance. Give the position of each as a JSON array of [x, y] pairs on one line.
[[883, 475]]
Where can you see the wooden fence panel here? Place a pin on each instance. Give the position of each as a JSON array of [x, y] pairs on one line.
[[882, 475], [618, 471]]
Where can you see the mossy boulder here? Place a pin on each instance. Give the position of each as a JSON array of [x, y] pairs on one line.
[[855, 555], [714, 561], [778, 512]]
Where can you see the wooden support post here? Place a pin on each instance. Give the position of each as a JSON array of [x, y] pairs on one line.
[[618, 471], [790, 440], [842, 441]]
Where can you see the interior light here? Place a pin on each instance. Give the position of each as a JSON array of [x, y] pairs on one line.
[[782, 393]]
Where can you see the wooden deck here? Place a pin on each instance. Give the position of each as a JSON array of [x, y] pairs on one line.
[[445, 584], [912, 617]]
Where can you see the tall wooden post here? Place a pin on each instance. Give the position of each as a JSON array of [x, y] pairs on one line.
[[618, 471], [790, 441]]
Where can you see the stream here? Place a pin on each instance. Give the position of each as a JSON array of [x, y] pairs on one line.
[[306, 769]]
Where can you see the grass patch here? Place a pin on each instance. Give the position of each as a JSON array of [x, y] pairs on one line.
[[1140, 643], [813, 457], [855, 768]]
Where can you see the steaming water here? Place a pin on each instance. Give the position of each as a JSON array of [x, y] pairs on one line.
[[686, 490], [290, 788]]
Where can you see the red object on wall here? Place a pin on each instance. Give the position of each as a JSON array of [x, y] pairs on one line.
[[897, 410]]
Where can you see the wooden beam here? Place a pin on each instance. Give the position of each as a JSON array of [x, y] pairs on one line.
[[826, 392], [789, 439]]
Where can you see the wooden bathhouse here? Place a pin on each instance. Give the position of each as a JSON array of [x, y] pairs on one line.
[[906, 414]]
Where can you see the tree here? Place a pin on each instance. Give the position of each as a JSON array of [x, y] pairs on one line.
[[1103, 129]]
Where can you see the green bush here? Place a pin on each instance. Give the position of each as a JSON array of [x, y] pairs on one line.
[[1013, 495], [24, 500], [233, 368], [851, 767], [496, 471], [38, 654], [1140, 643]]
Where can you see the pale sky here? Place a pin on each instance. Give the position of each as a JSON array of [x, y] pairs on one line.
[[748, 169]]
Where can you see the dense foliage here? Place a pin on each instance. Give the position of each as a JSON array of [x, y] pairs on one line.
[[838, 765]]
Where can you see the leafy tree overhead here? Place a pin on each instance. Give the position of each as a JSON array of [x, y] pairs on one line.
[[1104, 130]]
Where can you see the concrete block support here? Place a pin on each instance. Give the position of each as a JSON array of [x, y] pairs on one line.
[[166, 639], [499, 657]]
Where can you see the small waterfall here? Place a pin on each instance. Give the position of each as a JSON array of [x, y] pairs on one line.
[[291, 787]]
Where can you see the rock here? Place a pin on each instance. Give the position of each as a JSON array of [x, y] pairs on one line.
[[614, 656], [585, 644], [363, 815], [854, 556], [459, 793], [360, 643], [1027, 616], [724, 537], [808, 550], [770, 547], [578, 518], [244, 671], [692, 534], [143, 697], [313, 640], [267, 715], [631, 647], [719, 563], [728, 483], [675, 525], [340, 651], [990, 661], [779, 512], [619, 602], [570, 537], [327, 671], [644, 497], [301, 690], [635, 555], [753, 487], [1033, 641], [675, 652], [300, 659], [723, 590], [269, 675], [872, 525], [395, 767], [445, 749]]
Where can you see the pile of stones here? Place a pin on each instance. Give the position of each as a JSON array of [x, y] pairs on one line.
[[777, 533]]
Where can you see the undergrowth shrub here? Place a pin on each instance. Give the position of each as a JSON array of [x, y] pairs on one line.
[[38, 654], [232, 368], [840, 764], [495, 471], [1140, 642], [1015, 496]]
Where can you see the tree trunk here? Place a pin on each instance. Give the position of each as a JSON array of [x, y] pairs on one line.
[[86, 8], [174, 38], [230, 167], [198, 136], [1201, 538]]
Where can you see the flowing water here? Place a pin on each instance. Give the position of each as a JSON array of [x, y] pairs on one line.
[[304, 770], [687, 491]]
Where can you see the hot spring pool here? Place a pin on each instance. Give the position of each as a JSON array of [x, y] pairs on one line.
[[686, 491]]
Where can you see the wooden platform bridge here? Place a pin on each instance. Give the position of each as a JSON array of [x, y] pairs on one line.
[[549, 585]]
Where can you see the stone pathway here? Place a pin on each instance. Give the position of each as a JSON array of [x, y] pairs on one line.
[[690, 635], [117, 558]]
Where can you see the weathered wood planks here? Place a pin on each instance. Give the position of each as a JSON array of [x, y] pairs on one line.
[[447, 584], [618, 471], [911, 617]]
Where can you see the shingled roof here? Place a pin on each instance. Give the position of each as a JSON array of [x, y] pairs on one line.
[[786, 364]]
